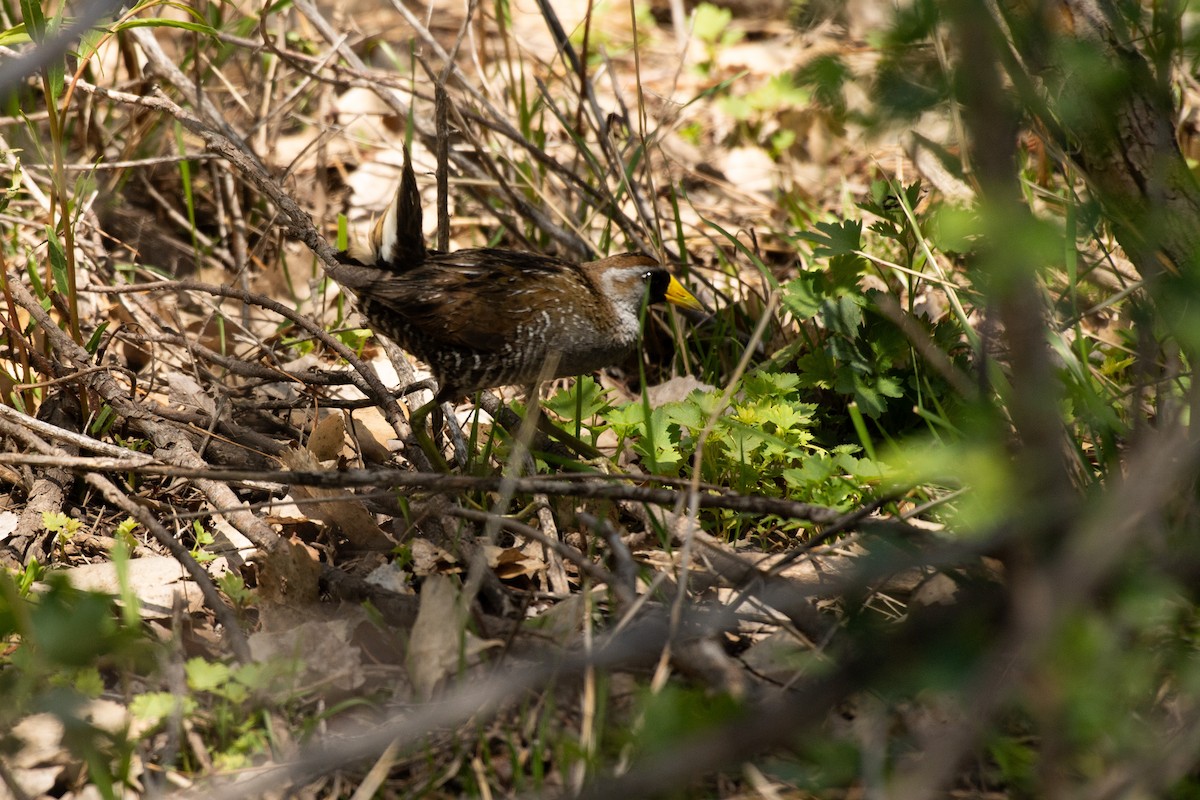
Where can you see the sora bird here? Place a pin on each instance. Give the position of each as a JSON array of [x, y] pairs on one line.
[[483, 318]]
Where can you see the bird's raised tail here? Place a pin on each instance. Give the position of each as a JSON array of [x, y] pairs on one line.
[[397, 241]]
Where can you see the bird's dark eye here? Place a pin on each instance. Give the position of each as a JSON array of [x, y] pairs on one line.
[[658, 280]]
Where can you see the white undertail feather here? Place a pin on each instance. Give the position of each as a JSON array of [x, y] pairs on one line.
[[383, 234]]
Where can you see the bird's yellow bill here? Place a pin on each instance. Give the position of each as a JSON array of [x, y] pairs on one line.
[[682, 297]]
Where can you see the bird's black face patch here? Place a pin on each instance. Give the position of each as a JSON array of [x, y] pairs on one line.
[[658, 280]]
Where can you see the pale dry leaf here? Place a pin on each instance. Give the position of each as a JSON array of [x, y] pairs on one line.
[[373, 186], [8, 523], [779, 657], [33, 781], [390, 577], [328, 435], [752, 169], [757, 58], [926, 524], [371, 432], [433, 647], [562, 622], [529, 27], [111, 716], [939, 589], [88, 792], [818, 568], [928, 162], [229, 542], [287, 582], [363, 114], [297, 154], [675, 390], [155, 580], [184, 391], [931, 304], [304, 363], [429, 559], [40, 736], [441, 645]]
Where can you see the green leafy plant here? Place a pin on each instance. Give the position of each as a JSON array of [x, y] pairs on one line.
[[763, 442], [124, 532], [53, 644], [851, 346], [234, 587], [582, 404], [202, 538], [711, 26], [229, 700], [62, 526]]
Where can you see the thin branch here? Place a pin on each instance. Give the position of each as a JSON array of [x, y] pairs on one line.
[[564, 486]]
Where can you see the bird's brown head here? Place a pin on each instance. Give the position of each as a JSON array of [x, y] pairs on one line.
[[630, 279]]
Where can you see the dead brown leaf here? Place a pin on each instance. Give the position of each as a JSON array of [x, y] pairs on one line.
[[323, 647], [429, 559], [287, 582], [370, 434], [510, 563], [338, 509], [328, 435]]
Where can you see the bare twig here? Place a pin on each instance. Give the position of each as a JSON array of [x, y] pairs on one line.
[[171, 445], [577, 558], [224, 614], [91, 468], [562, 485], [78, 439]]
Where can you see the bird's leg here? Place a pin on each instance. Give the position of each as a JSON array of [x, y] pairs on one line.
[[455, 432], [423, 385], [552, 440], [421, 432], [574, 443], [547, 427], [523, 438], [429, 445]]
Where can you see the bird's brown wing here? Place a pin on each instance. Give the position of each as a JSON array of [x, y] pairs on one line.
[[475, 299]]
